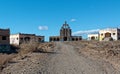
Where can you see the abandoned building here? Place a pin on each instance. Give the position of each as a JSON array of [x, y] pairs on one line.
[[65, 34], [113, 33], [106, 35], [4, 40], [19, 38], [93, 36]]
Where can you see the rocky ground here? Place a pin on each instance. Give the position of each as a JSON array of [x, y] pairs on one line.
[[68, 58]]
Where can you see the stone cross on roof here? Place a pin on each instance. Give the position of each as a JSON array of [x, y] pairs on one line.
[[65, 26]]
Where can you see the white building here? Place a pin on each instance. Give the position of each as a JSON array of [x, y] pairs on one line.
[[93, 36], [19, 38], [114, 33]]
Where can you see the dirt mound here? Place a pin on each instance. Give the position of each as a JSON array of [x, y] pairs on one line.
[[106, 50], [81, 57], [23, 51], [35, 47], [108, 39]]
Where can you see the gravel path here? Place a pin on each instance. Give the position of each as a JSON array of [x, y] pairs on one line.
[[65, 61]]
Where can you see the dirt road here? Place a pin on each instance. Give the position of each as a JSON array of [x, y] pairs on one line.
[[65, 60]]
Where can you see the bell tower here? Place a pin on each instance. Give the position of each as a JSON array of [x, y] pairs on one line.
[[65, 32]]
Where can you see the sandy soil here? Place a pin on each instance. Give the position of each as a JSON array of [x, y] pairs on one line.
[[63, 60]]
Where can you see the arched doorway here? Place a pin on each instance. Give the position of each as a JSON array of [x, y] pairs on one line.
[[92, 38], [65, 38], [51, 39], [27, 38], [76, 39], [39, 40], [73, 39], [58, 39], [107, 34], [54, 39]]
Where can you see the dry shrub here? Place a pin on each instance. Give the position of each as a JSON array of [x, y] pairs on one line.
[[103, 48], [28, 47], [46, 47], [35, 47]]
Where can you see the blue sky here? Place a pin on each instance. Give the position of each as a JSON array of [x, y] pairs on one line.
[[45, 17]]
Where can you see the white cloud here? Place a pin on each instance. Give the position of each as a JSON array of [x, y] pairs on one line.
[[43, 27], [86, 32], [73, 20]]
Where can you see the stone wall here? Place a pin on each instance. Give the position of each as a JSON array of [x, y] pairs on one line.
[[17, 39], [4, 36]]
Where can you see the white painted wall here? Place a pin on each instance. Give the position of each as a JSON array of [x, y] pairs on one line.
[[14, 39], [93, 35], [109, 30]]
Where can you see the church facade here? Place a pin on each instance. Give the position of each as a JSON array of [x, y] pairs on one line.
[[65, 34]]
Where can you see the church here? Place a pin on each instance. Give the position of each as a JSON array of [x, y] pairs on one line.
[[65, 35]]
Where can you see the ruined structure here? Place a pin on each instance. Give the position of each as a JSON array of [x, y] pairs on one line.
[[19, 38], [93, 36], [4, 40], [65, 34], [107, 34], [113, 33]]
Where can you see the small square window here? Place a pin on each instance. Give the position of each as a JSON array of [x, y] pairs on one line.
[[4, 38]]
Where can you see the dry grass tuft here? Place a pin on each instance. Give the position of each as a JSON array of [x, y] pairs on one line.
[[28, 47], [35, 47]]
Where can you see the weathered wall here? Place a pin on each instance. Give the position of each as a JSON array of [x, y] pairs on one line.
[[4, 40], [96, 36], [112, 31], [20, 38], [14, 39], [4, 36]]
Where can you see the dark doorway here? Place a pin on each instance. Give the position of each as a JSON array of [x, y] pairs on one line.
[[76, 39], [107, 34], [80, 38], [39, 39], [27, 38], [65, 38], [118, 38], [51, 39], [73, 39], [54, 39], [92, 38], [58, 39]]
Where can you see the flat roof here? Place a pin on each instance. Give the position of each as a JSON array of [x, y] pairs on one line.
[[4, 29]]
